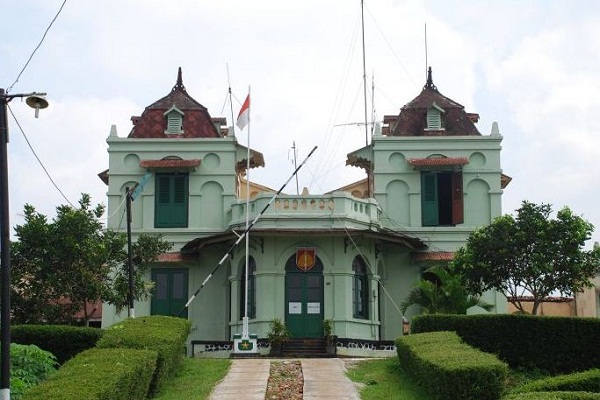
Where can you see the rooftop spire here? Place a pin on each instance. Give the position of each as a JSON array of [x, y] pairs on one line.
[[179, 84], [429, 84]]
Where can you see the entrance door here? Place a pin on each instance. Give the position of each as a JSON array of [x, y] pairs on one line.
[[304, 299], [170, 293]]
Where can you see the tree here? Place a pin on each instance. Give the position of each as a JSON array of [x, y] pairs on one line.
[[60, 266], [531, 254], [440, 291]]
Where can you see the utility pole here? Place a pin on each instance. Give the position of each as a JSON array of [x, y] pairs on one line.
[[33, 100]]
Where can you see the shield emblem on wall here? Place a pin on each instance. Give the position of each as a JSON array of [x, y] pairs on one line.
[[305, 258]]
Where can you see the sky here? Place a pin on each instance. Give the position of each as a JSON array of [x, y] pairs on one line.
[[534, 67]]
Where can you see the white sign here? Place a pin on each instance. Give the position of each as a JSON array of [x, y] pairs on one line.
[[294, 308], [313, 308]]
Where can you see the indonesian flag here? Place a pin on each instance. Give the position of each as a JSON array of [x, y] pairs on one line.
[[244, 115]]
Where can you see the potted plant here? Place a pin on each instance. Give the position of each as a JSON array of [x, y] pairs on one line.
[[329, 337], [277, 334]]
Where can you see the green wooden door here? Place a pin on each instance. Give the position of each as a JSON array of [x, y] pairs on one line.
[[170, 291], [304, 300]]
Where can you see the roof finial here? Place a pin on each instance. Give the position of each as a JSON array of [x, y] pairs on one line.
[[429, 84], [179, 84]]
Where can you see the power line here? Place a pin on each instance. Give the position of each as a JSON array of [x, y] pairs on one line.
[[37, 158], [37, 47]]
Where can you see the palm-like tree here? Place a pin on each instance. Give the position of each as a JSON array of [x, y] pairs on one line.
[[442, 293]]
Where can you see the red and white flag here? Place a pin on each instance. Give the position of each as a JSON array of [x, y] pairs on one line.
[[244, 115]]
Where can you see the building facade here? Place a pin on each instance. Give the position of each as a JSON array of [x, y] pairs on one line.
[[350, 256]]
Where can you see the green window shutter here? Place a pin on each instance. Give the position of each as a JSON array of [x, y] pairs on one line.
[[171, 292], [171, 201], [429, 199], [180, 203]]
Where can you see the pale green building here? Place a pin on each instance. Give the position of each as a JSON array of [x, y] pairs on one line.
[[350, 255]]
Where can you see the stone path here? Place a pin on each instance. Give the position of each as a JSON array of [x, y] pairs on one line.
[[246, 379], [324, 378]]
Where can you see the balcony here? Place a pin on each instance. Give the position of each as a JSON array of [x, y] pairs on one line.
[[332, 211]]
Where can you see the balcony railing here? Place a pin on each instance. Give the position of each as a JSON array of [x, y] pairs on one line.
[[337, 209]]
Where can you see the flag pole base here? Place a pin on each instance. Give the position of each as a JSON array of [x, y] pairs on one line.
[[247, 345]]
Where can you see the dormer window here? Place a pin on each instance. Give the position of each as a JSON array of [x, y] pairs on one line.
[[434, 118], [174, 121]]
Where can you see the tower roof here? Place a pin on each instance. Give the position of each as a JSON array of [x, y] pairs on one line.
[[412, 120], [196, 121]]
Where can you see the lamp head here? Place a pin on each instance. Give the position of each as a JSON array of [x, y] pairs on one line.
[[37, 102]]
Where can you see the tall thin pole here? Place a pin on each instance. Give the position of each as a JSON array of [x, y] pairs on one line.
[[230, 103], [37, 103], [295, 166], [129, 255], [245, 332], [5, 257], [364, 58]]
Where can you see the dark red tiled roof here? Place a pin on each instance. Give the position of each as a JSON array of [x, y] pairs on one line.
[[169, 163], [197, 122], [438, 162], [433, 256], [412, 120], [174, 257]]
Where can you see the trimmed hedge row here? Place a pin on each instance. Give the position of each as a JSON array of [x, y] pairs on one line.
[[63, 341], [100, 374], [547, 343], [165, 335], [587, 381], [554, 396], [450, 369]]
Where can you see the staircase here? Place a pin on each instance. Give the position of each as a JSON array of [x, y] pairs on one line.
[[305, 348]]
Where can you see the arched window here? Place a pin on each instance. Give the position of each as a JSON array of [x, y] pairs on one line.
[[251, 289], [360, 289]]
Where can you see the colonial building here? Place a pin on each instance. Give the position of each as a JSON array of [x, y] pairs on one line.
[[350, 255]]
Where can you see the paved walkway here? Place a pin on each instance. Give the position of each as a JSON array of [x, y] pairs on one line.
[[324, 378]]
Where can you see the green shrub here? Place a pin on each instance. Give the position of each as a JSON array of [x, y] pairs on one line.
[[587, 381], [554, 396], [450, 369], [100, 374], [165, 335], [61, 340], [526, 341], [29, 365]]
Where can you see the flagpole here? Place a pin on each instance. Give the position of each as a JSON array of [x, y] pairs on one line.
[[245, 334]]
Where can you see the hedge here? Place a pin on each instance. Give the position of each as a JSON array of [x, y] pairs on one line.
[[553, 344], [100, 374], [587, 381], [554, 396], [63, 341], [166, 335], [450, 369]]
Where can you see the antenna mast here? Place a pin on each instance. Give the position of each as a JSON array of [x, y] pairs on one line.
[[364, 57], [231, 103]]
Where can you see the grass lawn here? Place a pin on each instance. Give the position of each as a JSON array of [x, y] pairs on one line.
[[196, 380], [384, 379]]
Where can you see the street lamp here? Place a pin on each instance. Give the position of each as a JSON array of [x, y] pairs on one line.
[[34, 100]]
